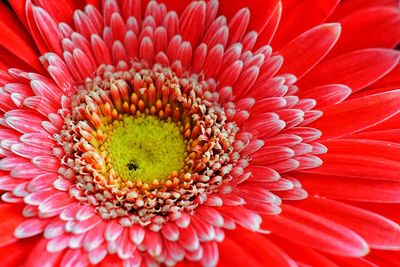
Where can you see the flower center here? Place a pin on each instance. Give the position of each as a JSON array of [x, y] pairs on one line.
[[143, 145], [144, 149]]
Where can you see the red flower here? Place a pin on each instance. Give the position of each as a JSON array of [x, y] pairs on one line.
[[246, 133]]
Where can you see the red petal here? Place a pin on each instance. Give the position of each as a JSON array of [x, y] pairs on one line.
[[39, 256], [19, 8], [350, 189], [316, 231], [326, 95], [351, 262], [357, 69], [384, 258], [299, 16], [33, 29], [303, 254], [61, 10], [48, 29], [16, 253], [260, 11], [389, 82], [385, 135], [381, 149], [361, 159], [257, 252], [267, 34], [15, 39], [358, 114], [10, 218], [378, 231], [192, 22], [383, 30], [308, 49], [350, 7]]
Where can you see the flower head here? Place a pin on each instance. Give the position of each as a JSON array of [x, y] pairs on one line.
[[163, 133]]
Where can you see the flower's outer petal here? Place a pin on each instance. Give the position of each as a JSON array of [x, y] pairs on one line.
[[300, 253], [346, 8], [378, 231], [383, 30], [257, 251], [48, 29], [33, 29], [3, 65], [358, 165], [111, 261], [299, 16], [384, 258], [361, 159], [260, 11], [15, 39], [177, 5], [356, 69], [326, 95], [315, 231], [268, 33], [19, 9], [358, 114], [10, 218], [351, 262], [382, 149], [390, 81], [392, 135], [391, 123], [304, 52], [39, 256], [365, 190], [60, 11], [16, 253]]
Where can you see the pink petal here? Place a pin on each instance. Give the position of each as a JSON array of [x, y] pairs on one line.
[[55, 203], [30, 227], [112, 231]]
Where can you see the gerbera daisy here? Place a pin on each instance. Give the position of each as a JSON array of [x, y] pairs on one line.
[[231, 133]]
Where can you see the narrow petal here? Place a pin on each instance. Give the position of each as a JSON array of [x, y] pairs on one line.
[[337, 187], [39, 256], [378, 231], [355, 115], [10, 218], [316, 231], [327, 95], [260, 11], [356, 69], [298, 17], [257, 252], [383, 30]]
